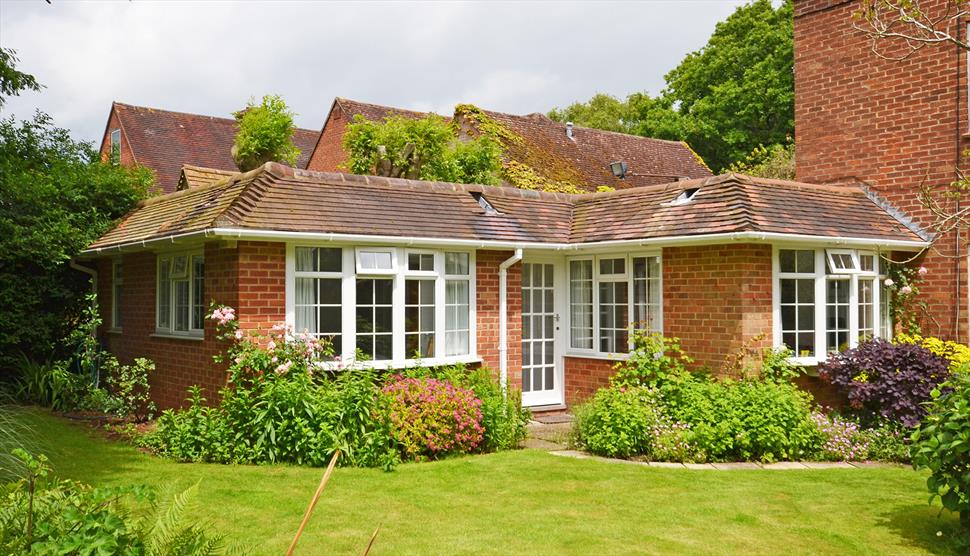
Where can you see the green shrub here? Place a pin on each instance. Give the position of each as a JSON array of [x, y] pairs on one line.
[[745, 420], [654, 360], [265, 134], [617, 422], [129, 387], [941, 444], [42, 516], [503, 417]]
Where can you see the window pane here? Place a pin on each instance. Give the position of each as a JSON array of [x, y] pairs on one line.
[[581, 304], [421, 261], [837, 314], [374, 318], [198, 292], [419, 318], [319, 310], [786, 260], [319, 259], [805, 261], [164, 316], [456, 317], [375, 260], [866, 308], [798, 315], [456, 263], [885, 311], [181, 288], [614, 317]]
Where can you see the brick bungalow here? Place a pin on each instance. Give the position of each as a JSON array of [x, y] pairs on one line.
[[540, 287]]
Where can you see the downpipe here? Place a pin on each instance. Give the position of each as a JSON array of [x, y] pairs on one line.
[[503, 318]]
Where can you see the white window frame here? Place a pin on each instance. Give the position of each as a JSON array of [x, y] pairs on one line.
[[627, 277], [351, 272], [117, 286], [170, 331], [346, 262], [114, 155], [830, 255], [821, 277], [395, 263]]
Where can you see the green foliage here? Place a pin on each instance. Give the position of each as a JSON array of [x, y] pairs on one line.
[[128, 385], [503, 417], [425, 148], [724, 100], [653, 361], [775, 161], [745, 420], [616, 422], [41, 516], [50, 384], [56, 197], [265, 134], [13, 81], [941, 444]]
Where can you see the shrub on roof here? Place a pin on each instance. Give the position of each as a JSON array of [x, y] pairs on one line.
[[265, 134]]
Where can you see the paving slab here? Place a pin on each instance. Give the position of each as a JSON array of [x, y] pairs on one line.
[[735, 465], [707, 466], [784, 465], [869, 464], [571, 454], [667, 464], [828, 465]]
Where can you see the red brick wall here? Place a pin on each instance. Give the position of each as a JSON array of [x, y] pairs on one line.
[[717, 297], [487, 315], [891, 124], [247, 275], [127, 156], [329, 154], [583, 377]]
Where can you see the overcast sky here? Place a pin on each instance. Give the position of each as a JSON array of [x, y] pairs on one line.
[[210, 57]]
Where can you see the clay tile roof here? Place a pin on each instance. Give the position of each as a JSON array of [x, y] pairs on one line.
[[195, 176], [583, 160], [280, 199], [165, 141]]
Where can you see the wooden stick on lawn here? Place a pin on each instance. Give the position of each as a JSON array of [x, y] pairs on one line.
[[313, 501], [371, 543]]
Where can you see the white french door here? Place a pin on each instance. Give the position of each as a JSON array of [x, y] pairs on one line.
[[541, 360]]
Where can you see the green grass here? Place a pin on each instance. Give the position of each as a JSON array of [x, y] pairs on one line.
[[530, 502]]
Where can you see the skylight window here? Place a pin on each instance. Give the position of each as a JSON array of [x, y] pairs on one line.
[[483, 202], [685, 196]]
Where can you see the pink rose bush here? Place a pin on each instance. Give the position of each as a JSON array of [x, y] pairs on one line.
[[431, 418]]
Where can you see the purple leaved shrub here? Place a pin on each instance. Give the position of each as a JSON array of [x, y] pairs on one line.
[[891, 380]]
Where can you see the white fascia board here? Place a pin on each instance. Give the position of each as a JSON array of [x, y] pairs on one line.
[[706, 239]]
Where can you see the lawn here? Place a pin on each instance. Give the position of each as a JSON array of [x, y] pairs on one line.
[[531, 502]]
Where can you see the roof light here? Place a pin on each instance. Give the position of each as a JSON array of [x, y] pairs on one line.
[[483, 202], [685, 197], [619, 169]]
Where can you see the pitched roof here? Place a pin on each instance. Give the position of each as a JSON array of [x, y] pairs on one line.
[[280, 199], [194, 176], [164, 141], [543, 145]]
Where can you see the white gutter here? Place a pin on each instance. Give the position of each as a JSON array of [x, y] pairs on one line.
[[273, 235], [503, 318]]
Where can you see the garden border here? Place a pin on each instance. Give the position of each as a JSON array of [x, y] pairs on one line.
[[731, 465]]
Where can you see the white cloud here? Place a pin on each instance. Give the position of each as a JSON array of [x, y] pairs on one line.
[[211, 57]]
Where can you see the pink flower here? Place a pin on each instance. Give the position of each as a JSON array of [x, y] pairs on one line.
[[271, 345], [283, 367], [922, 271], [239, 334], [906, 289], [889, 282]]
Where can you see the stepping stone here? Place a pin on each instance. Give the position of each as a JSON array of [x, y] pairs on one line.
[[570, 454], [706, 466], [827, 465], [666, 464], [784, 465], [735, 465]]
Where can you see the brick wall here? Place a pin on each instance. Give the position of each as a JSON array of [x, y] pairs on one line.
[[329, 154], [487, 314], [247, 275], [717, 297], [893, 125], [127, 156], [583, 377]]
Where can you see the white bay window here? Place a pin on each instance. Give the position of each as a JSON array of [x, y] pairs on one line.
[[828, 300], [389, 304], [608, 296]]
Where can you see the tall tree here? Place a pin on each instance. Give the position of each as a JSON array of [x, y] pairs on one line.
[[56, 197], [726, 99], [12, 81]]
